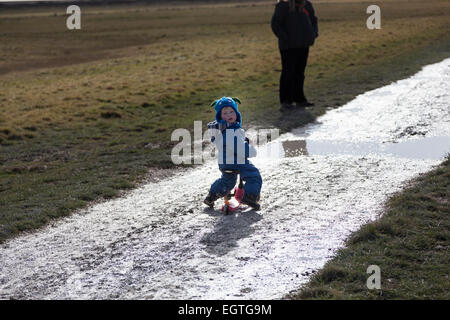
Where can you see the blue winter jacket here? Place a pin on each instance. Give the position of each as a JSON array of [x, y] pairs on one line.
[[233, 149]]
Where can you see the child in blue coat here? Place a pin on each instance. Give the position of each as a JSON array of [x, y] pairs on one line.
[[233, 153]]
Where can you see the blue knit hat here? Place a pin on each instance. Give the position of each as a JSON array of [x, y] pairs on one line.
[[227, 102]]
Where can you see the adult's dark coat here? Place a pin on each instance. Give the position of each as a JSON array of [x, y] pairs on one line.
[[294, 29]]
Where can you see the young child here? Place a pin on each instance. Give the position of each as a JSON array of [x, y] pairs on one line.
[[233, 153]]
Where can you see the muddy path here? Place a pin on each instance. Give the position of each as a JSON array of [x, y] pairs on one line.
[[321, 183]]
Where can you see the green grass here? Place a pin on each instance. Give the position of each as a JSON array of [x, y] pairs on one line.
[[90, 113], [409, 243]]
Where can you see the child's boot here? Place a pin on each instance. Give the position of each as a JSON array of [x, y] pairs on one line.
[[251, 201], [210, 199]]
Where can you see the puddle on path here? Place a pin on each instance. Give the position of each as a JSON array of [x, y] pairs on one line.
[[426, 148]]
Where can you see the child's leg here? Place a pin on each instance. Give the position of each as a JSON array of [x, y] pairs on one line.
[[223, 185], [252, 187], [253, 181]]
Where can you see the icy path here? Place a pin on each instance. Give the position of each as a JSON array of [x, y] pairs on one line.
[[161, 243]]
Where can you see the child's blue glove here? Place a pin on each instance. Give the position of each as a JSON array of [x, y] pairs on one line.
[[213, 126], [217, 125]]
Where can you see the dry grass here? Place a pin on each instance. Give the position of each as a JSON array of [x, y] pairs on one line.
[[145, 54]]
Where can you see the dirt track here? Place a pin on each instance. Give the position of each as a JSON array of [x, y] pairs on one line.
[[160, 242]]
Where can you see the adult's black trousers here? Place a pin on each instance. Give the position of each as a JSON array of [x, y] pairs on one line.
[[293, 63]]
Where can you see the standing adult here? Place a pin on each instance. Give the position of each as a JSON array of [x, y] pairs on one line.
[[295, 25]]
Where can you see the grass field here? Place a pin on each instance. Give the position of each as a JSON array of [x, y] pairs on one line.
[[86, 114]]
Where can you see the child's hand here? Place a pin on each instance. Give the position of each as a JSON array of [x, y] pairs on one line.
[[213, 125], [217, 125]]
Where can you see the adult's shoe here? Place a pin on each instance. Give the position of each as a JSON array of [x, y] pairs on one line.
[[303, 104], [286, 106]]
